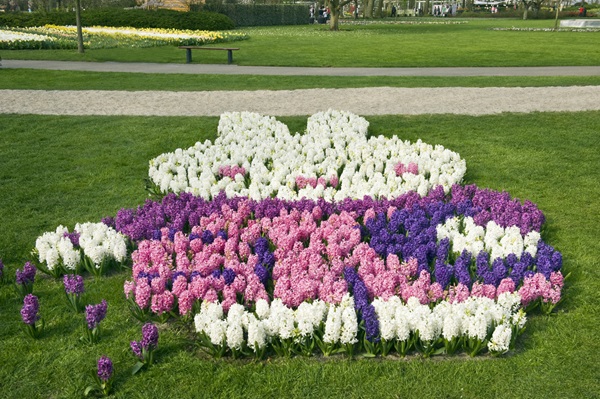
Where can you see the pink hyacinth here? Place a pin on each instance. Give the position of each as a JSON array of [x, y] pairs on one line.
[[128, 288], [163, 302], [458, 293], [143, 293], [483, 290], [506, 285]]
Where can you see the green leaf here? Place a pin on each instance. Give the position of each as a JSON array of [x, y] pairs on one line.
[[138, 366]]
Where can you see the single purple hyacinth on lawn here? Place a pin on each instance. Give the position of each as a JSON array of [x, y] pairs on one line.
[[136, 348], [27, 275], [149, 336], [73, 284], [30, 309], [105, 368], [94, 314], [1, 269]]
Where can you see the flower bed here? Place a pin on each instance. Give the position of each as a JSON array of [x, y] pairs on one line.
[[65, 37], [326, 242], [25, 39]]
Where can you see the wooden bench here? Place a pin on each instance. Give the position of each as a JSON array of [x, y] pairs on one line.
[[188, 52]]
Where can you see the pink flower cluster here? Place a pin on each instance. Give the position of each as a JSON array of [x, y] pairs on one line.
[[232, 171], [538, 287], [400, 168], [303, 182]]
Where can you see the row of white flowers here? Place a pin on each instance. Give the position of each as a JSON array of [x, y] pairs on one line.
[[12, 36], [335, 145], [498, 241], [476, 318], [96, 241]]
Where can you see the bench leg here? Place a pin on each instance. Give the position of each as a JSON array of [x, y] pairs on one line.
[[188, 55], [229, 56]]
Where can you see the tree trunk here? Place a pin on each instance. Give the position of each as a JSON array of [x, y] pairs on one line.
[[369, 9], [334, 19], [525, 12], [379, 10], [79, 32]]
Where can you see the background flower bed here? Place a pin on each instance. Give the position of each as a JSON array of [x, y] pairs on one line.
[[560, 349], [99, 37]]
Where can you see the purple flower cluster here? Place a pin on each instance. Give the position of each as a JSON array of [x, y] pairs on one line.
[[94, 314], [73, 284], [73, 237], [364, 309], [266, 260], [27, 275], [148, 343], [485, 205], [105, 368], [1, 270], [149, 336], [29, 311]]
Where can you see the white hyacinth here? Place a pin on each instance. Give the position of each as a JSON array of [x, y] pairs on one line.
[[273, 158], [499, 242], [53, 248], [99, 242]]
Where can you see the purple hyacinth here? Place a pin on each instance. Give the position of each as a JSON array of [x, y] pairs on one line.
[[207, 237], [73, 237], [105, 368], [73, 284], [365, 309], [94, 314], [1, 269], [29, 311], [228, 276], [27, 275], [149, 336], [136, 348]]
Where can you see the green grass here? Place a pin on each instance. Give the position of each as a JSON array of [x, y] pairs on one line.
[[62, 170], [21, 79], [376, 45]]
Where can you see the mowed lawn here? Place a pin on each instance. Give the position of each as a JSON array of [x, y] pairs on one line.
[[62, 170], [421, 42]]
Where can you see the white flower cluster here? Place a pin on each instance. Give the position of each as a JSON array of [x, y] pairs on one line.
[[11, 36], [99, 242], [277, 321], [96, 240], [498, 241], [54, 249], [473, 318], [334, 150]]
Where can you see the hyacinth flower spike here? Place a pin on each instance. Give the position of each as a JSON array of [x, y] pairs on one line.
[[94, 314], [103, 378], [144, 350], [29, 314]]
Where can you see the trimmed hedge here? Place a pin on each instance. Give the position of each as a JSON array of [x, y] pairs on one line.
[[261, 14], [166, 19]]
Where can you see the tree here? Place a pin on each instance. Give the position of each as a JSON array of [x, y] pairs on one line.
[[79, 31], [335, 8], [535, 6]]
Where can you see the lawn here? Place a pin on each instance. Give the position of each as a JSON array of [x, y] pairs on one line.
[[63, 170], [433, 43]]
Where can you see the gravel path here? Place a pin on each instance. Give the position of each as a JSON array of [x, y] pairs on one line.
[[363, 101]]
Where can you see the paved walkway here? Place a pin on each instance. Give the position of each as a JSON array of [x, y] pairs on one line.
[[225, 69]]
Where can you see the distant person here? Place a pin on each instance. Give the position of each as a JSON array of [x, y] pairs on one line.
[[393, 11]]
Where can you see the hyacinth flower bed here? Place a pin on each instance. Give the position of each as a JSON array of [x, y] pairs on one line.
[[98, 37], [302, 263]]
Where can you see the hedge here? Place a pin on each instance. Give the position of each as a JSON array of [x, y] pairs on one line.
[[166, 19], [261, 14]]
